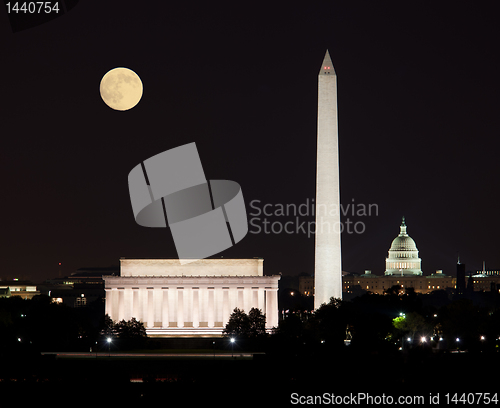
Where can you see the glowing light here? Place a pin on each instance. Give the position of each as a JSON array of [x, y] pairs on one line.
[[232, 339], [423, 339], [108, 339]]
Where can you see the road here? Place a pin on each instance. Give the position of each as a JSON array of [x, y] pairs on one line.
[[81, 354]]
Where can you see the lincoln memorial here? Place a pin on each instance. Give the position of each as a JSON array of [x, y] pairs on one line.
[[194, 299]]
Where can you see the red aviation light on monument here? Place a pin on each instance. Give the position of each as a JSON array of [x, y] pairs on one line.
[[327, 66]]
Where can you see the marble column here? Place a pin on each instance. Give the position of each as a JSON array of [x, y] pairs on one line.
[[261, 303], [151, 310], [135, 303], [255, 298], [240, 301], [158, 309], [127, 304], [120, 305], [180, 307], [164, 312], [196, 307], [225, 306], [271, 307], [211, 308], [143, 305], [108, 305]]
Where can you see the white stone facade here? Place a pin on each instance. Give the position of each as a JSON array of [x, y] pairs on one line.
[[197, 303], [403, 257], [328, 264]]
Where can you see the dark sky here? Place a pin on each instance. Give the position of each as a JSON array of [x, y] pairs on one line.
[[418, 103]]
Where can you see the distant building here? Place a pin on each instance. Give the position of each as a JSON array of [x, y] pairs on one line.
[[488, 283], [379, 284], [353, 283], [403, 269], [22, 289], [80, 288], [4, 292], [306, 285]]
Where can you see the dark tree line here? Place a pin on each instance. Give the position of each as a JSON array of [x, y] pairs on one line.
[[131, 333], [386, 323]]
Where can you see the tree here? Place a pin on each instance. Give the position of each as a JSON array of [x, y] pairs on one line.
[[410, 323], [132, 329], [238, 324], [108, 327], [257, 322], [131, 333]]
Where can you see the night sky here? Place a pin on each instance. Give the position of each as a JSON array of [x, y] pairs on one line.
[[418, 105]]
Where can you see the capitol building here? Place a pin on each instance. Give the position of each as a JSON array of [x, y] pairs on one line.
[[402, 269], [403, 257]]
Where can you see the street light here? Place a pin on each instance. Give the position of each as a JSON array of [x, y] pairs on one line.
[[232, 347], [109, 346]]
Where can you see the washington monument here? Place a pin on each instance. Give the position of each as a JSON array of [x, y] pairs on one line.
[[328, 264]]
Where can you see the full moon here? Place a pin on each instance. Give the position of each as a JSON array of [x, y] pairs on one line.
[[121, 89]]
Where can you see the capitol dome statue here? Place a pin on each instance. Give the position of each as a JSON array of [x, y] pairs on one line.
[[403, 257]]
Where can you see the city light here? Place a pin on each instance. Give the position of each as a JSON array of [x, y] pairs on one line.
[[423, 339]]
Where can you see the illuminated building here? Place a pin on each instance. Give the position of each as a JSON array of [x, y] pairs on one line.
[[195, 299], [22, 289], [328, 265], [403, 257]]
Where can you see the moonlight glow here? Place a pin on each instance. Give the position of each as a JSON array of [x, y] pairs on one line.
[[121, 89]]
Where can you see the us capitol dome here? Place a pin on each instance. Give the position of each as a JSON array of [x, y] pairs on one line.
[[403, 257]]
